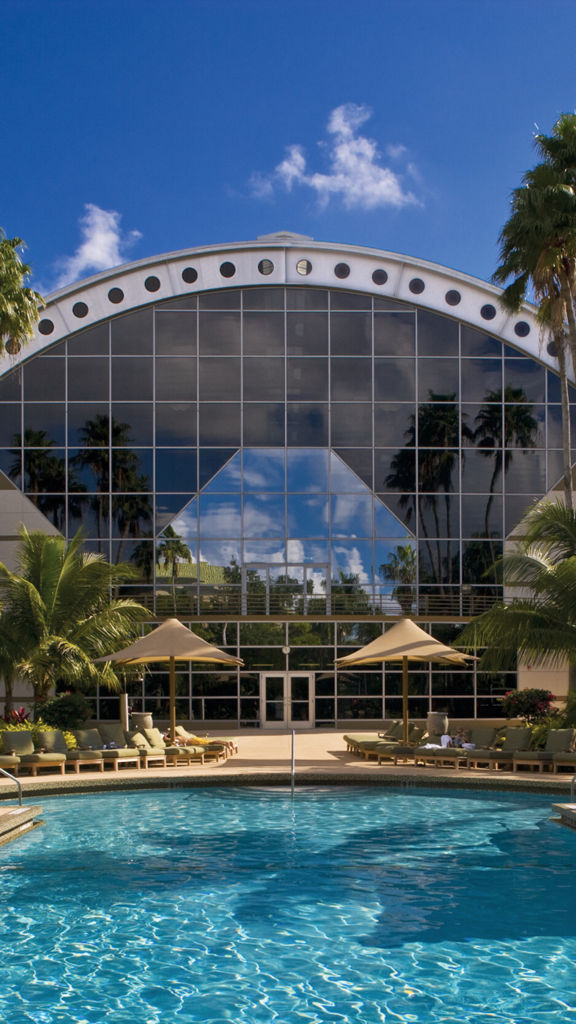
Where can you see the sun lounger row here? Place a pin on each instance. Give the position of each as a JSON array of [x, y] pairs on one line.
[[108, 746], [482, 751]]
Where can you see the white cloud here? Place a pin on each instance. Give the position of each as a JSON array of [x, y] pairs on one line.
[[356, 174], [103, 245]]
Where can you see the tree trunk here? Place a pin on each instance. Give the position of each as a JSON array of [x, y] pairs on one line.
[[560, 342]]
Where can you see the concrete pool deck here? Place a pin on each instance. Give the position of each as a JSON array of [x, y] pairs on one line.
[[264, 759]]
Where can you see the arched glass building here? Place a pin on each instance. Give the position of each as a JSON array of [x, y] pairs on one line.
[[289, 441]]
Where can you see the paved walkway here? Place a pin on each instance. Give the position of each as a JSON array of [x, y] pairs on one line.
[[264, 758]]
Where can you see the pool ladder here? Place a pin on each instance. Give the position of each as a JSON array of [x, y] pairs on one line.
[[17, 781], [293, 763]]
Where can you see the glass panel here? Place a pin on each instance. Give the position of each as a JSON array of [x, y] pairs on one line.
[[176, 379], [220, 516], [307, 379], [394, 470], [439, 561], [131, 469], [307, 515], [481, 425], [515, 508], [526, 472], [219, 423], [176, 470], [131, 379], [352, 515], [227, 298], [264, 423], [394, 334], [524, 425], [306, 334], [439, 515], [44, 470], [351, 424], [306, 298], [438, 470], [482, 515], [263, 298], [309, 551], [386, 523], [342, 478], [228, 479], [393, 424], [263, 334], [176, 333], [478, 474], [307, 471], [350, 300], [131, 516], [307, 425], [176, 423], [82, 418], [135, 422], [50, 419], [305, 633], [476, 343], [132, 334], [219, 379], [88, 469], [92, 342], [262, 633], [9, 424], [263, 379], [437, 335], [211, 462], [359, 460], [168, 506], [88, 380], [525, 378], [351, 334], [91, 513], [224, 553], [438, 380], [480, 379], [266, 551], [394, 380], [352, 562], [219, 333], [264, 515], [478, 558], [43, 379], [351, 380], [264, 470]]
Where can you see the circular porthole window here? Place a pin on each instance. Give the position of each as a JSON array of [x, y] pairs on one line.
[[551, 349], [453, 298], [379, 277], [80, 309], [416, 286], [522, 329], [151, 284], [189, 275], [342, 270], [45, 327], [227, 269], [13, 346], [115, 295], [266, 267], [304, 267], [488, 312]]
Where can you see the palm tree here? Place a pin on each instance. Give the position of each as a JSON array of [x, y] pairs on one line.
[[58, 609], [401, 569], [170, 552], [495, 442], [538, 256], [18, 304], [540, 623]]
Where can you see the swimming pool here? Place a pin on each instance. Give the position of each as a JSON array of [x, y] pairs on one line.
[[347, 905]]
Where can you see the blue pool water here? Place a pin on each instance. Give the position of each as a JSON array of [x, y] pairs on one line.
[[247, 906]]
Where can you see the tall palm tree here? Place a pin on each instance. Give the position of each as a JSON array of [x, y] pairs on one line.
[[59, 611], [538, 256], [540, 622], [18, 304]]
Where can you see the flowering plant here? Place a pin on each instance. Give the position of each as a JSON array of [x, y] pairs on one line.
[[531, 705]]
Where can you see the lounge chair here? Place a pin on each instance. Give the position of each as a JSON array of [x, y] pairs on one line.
[[359, 742], [150, 756], [482, 736], [393, 749], [517, 740], [55, 743], [175, 754], [91, 739], [22, 743], [229, 742], [10, 762], [560, 741]]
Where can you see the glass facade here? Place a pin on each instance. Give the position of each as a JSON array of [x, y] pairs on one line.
[[283, 467]]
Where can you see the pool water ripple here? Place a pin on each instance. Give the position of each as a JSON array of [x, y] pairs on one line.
[[250, 906]]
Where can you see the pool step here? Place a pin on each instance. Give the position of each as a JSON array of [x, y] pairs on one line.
[[15, 821]]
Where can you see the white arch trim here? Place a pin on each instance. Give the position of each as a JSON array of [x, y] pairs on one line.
[[285, 251]]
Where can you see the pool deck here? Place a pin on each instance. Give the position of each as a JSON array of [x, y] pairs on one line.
[[264, 759]]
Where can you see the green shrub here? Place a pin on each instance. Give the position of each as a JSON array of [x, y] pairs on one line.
[[66, 711], [531, 705], [35, 728]]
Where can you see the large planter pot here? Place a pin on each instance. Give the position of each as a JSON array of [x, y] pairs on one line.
[[437, 723], [141, 720]]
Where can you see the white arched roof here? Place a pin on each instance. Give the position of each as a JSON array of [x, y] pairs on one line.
[[280, 259]]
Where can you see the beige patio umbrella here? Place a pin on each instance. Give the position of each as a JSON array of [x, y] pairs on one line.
[[404, 642], [171, 642]]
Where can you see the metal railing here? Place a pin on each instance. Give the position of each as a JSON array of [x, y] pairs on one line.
[[17, 781]]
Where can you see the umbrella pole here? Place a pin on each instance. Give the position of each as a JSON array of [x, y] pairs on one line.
[[173, 698], [405, 701]]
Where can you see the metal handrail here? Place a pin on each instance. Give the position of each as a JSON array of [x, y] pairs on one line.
[[17, 781], [572, 782], [293, 762]]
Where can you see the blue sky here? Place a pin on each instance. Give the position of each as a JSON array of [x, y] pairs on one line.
[[136, 127]]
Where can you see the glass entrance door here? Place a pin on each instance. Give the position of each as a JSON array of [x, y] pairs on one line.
[[286, 699]]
